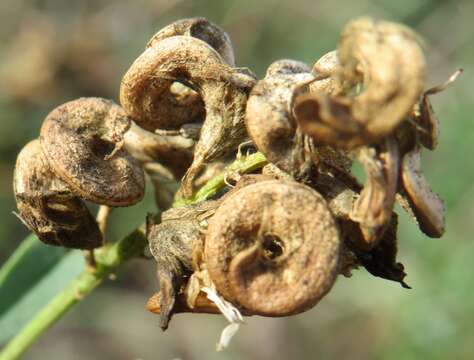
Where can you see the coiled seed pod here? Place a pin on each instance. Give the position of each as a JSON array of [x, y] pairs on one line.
[[48, 207], [273, 248], [386, 61], [83, 140]]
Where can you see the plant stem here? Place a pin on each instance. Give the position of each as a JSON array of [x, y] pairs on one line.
[[108, 260]]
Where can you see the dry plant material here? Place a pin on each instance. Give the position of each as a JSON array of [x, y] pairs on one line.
[[47, 206], [273, 248], [173, 243], [426, 205], [373, 209], [272, 242], [83, 142], [222, 88], [381, 76], [272, 127]]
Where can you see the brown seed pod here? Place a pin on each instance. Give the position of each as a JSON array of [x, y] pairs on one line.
[[222, 88], [47, 206], [83, 140], [383, 58], [270, 123], [268, 117], [202, 29], [167, 103], [273, 248], [374, 207], [325, 71], [427, 206]]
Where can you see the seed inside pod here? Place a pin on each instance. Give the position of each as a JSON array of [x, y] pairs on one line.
[[426, 205], [83, 140], [48, 207], [273, 248]]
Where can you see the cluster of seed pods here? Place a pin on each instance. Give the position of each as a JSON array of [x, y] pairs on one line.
[[273, 243]]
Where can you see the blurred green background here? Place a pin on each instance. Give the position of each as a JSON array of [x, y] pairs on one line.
[[52, 51]]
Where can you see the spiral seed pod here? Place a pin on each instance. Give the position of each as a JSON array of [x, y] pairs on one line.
[[48, 207], [384, 59], [427, 206], [273, 248], [83, 140], [222, 88], [270, 123], [202, 29], [169, 102]]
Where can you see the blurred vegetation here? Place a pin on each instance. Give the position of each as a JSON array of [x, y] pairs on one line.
[[52, 51]]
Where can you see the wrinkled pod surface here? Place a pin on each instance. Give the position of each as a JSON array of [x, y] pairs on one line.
[[381, 75], [272, 127], [47, 206], [169, 104], [223, 89], [273, 248], [83, 142]]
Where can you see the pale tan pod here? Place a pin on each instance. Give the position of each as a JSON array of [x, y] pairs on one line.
[[273, 248], [427, 206], [381, 75], [47, 206], [83, 140]]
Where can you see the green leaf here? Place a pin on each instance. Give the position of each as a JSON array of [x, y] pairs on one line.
[[30, 278]]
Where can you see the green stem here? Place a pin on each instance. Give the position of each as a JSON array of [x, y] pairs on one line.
[[109, 259]]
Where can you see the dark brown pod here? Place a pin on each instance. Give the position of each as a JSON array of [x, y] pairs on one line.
[[271, 125], [83, 140], [47, 206], [273, 248], [426, 205], [381, 77]]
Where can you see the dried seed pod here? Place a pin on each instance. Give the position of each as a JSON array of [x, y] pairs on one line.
[[48, 207], [202, 29], [325, 71], [383, 58], [427, 206], [269, 118], [222, 88], [273, 248], [167, 103], [374, 208], [271, 125], [173, 243], [82, 140]]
